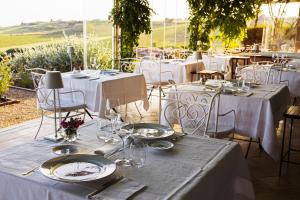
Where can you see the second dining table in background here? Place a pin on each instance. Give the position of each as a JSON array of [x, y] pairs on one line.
[[257, 113], [97, 87]]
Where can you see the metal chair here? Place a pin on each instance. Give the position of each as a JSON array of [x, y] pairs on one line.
[[46, 102], [197, 112], [128, 64], [292, 113]]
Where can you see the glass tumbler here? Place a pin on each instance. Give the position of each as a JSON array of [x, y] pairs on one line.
[[138, 153]]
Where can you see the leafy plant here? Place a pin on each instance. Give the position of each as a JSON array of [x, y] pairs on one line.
[[5, 76], [54, 56], [133, 18], [228, 16]]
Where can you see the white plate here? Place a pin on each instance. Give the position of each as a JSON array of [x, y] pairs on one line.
[[79, 75], [78, 168], [149, 131], [161, 145]]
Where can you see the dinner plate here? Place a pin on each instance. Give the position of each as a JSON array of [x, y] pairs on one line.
[[78, 168], [79, 75], [161, 145], [150, 131]]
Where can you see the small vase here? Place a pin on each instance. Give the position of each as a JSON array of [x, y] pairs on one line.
[[70, 135]]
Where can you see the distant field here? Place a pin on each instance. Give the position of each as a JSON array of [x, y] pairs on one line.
[[10, 41], [42, 32]]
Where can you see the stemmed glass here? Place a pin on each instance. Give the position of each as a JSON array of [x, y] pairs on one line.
[[238, 74], [112, 116], [124, 134]]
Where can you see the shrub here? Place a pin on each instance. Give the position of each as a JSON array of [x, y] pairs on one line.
[[54, 56], [5, 76]]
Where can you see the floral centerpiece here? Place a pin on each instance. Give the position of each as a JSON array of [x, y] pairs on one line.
[[70, 127]]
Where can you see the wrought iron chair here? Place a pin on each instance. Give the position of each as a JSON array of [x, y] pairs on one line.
[[156, 79], [197, 112], [46, 102], [128, 64]]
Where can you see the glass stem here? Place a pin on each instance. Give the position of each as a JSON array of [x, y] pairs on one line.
[[123, 149]]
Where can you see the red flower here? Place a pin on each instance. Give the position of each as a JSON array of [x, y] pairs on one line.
[[72, 123]]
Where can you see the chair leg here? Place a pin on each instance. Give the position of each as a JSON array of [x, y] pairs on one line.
[[248, 149], [282, 148], [89, 114], [290, 139], [39, 126], [137, 108], [259, 144], [152, 88], [163, 93]]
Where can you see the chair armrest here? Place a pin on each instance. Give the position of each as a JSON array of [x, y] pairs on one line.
[[226, 113], [74, 91]]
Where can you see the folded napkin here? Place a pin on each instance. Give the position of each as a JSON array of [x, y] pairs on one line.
[[120, 191]]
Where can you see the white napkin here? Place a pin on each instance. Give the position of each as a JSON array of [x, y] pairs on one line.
[[120, 191]]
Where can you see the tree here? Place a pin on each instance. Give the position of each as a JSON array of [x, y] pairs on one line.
[[133, 18], [228, 16]]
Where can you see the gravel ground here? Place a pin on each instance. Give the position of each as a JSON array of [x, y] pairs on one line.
[[20, 112]]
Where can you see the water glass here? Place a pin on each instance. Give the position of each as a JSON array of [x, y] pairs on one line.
[[102, 133], [138, 153]]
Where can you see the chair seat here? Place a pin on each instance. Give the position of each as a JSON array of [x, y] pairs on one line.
[[156, 84], [293, 112], [65, 106], [222, 131]]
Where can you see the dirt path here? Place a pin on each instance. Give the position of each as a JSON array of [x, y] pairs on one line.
[[17, 113]]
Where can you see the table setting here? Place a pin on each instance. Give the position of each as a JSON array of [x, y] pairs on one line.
[[163, 165]]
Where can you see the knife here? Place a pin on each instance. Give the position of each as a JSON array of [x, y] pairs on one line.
[[106, 185]]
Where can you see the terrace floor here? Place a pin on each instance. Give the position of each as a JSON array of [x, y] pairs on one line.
[[264, 170]]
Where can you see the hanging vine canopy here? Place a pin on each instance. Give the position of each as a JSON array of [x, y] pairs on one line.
[[229, 16], [133, 18]]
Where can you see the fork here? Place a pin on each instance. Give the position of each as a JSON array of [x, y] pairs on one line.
[[29, 171]]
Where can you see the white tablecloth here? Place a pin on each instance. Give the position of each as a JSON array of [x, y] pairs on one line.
[[256, 115], [181, 71], [196, 167], [292, 76], [127, 87]]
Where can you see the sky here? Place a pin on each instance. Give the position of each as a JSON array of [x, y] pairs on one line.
[[14, 12], [18, 11]]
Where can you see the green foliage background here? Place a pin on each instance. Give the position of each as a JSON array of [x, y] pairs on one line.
[[228, 16], [133, 18]]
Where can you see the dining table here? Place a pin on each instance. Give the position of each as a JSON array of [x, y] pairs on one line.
[[195, 167], [257, 111], [98, 86], [288, 75], [179, 70]]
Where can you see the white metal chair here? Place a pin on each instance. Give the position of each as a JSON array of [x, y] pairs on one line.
[[46, 101], [128, 64], [197, 112], [156, 78]]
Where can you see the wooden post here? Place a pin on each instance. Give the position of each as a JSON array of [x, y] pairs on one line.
[[297, 39], [115, 40]]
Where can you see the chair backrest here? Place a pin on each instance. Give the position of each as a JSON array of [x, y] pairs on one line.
[[128, 64], [195, 111], [43, 95], [153, 72], [264, 74]]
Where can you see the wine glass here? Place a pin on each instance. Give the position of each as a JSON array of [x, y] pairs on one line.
[[112, 115], [93, 62], [238, 75]]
